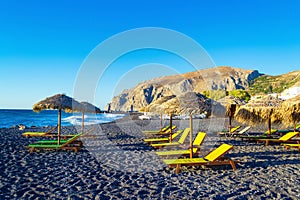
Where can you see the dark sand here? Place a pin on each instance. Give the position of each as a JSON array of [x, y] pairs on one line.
[[117, 164]]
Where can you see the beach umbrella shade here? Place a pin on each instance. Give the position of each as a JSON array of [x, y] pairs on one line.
[[87, 108], [290, 112], [58, 102], [232, 104], [189, 103], [260, 110]]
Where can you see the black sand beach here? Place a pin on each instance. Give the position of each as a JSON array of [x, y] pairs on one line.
[[117, 164]]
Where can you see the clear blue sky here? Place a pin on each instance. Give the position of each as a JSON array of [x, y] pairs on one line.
[[44, 43]]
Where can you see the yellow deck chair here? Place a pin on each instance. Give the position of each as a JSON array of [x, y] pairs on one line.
[[287, 137], [157, 131], [162, 139], [196, 147], [180, 141], [232, 130], [40, 134], [164, 132], [288, 146], [212, 158]]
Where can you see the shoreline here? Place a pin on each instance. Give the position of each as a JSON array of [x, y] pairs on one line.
[[118, 164]]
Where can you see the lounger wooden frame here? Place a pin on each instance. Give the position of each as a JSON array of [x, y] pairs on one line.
[[215, 157]]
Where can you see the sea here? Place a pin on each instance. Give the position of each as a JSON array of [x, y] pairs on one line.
[[11, 118]]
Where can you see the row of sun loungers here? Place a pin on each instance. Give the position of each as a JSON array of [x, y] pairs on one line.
[[215, 157]]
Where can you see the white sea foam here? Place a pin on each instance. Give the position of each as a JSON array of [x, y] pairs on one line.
[[92, 118]]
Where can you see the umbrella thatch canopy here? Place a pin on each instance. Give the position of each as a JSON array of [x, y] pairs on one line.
[[260, 110], [189, 103], [290, 111], [232, 104], [58, 102], [88, 108]]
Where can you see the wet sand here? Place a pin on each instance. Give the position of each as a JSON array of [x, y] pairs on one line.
[[117, 164]]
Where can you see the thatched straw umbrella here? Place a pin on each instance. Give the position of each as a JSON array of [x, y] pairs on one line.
[[87, 108], [189, 103], [259, 110], [58, 102], [232, 104], [290, 111]]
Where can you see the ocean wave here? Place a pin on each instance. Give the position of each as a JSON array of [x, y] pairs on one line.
[[92, 119]]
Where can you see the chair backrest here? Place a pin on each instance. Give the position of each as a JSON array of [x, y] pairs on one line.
[[234, 129], [184, 135], [272, 131], [218, 152], [75, 137], [174, 135], [288, 136], [165, 128], [244, 130], [199, 139], [168, 130]]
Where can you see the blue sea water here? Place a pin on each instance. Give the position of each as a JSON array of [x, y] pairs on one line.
[[9, 118]]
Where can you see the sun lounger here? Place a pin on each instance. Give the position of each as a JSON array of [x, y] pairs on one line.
[[213, 158], [68, 145], [40, 134], [180, 141], [227, 133], [264, 135], [286, 138], [241, 132], [157, 131], [272, 131], [162, 133], [288, 146], [162, 139], [196, 147]]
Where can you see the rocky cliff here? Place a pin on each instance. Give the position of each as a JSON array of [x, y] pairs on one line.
[[223, 78]]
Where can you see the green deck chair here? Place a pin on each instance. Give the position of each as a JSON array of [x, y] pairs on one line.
[[70, 144]]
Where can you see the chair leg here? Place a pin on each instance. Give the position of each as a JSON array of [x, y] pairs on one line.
[[31, 150], [177, 168], [232, 165]]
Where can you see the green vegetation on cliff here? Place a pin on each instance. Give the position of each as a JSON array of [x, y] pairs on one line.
[[273, 84]]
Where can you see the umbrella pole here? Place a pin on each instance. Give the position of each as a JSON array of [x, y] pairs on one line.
[[230, 124], [191, 136], [82, 125], [161, 124], [269, 125], [171, 127], [59, 126]]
